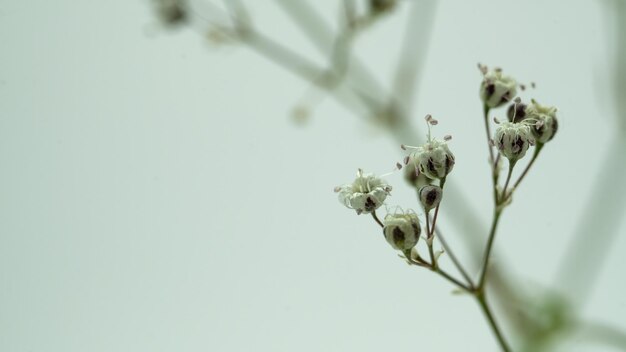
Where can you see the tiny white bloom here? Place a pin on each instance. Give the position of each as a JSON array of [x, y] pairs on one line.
[[402, 230], [513, 140], [497, 89], [434, 159], [365, 194]]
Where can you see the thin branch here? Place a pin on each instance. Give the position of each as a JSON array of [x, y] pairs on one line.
[[486, 257], [482, 301], [453, 257], [318, 31], [377, 219]]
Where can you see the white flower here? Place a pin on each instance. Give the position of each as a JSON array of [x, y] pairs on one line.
[[402, 230], [365, 194], [434, 159], [497, 89], [513, 139], [542, 121]]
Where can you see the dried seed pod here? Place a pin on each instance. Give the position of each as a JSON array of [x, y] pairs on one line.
[[402, 231], [513, 140], [497, 89], [430, 197]]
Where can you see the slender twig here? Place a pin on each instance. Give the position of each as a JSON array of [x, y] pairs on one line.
[[439, 271], [538, 148], [377, 219], [453, 280], [488, 132], [506, 184], [482, 301], [429, 242], [492, 235], [453, 257]]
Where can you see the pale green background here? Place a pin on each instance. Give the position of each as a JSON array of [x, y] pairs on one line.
[[156, 196]]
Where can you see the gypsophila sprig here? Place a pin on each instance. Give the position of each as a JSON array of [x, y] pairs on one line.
[[427, 167], [402, 230], [365, 194], [513, 139], [496, 88]]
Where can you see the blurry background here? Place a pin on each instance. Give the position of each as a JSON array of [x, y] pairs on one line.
[[157, 195]]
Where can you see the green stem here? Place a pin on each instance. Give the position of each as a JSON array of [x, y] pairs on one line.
[[453, 257], [506, 183], [488, 131], [532, 161], [482, 301], [429, 243], [492, 235], [377, 219], [453, 280]]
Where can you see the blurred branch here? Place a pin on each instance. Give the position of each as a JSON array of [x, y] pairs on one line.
[[602, 334], [604, 209], [318, 31], [596, 230], [413, 54]]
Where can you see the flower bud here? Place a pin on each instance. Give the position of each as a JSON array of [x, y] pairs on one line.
[[513, 140], [516, 112], [497, 89], [542, 121], [171, 12], [380, 6], [365, 194], [402, 230], [430, 196], [412, 175], [434, 159]]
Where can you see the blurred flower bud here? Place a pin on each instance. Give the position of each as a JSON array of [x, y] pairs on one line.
[[171, 12], [516, 112], [497, 89], [434, 159], [542, 121], [365, 194], [380, 6], [513, 140], [430, 196], [402, 230]]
